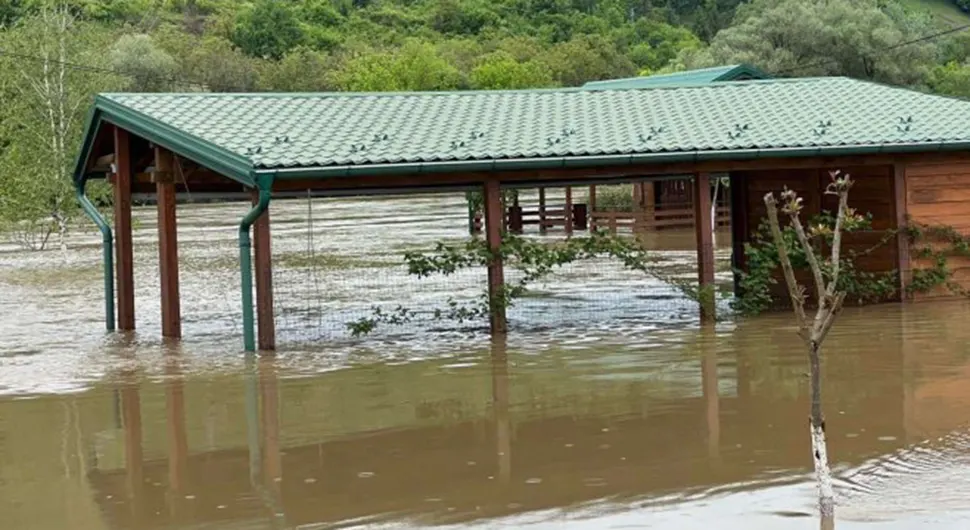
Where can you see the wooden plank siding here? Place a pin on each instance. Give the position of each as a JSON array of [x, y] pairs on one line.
[[939, 194], [872, 193]]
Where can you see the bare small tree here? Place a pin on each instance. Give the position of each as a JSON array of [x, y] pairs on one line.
[[45, 96], [829, 301]]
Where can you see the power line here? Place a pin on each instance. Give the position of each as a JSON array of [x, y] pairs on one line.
[[924, 38], [94, 69], [930, 37]]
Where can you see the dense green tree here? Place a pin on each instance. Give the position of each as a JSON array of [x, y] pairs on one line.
[[955, 48], [302, 70], [951, 79], [821, 37], [417, 65], [522, 48], [586, 58], [500, 70], [215, 65], [461, 17], [268, 29], [148, 67], [11, 10], [652, 44]]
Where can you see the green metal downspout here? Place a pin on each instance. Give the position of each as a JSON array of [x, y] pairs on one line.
[[107, 245], [265, 185]]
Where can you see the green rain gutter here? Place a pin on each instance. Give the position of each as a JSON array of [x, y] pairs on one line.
[[107, 245], [561, 162], [264, 184]]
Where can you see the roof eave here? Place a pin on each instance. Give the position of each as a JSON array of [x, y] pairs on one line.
[[196, 149], [494, 165]]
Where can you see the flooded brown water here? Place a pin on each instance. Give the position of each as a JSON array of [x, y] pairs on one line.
[[646, 422]]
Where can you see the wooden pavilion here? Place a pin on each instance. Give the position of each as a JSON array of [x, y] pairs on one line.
[[906, 149]]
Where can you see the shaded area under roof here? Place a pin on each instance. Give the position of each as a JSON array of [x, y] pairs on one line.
[[734, 72], [331, 135]]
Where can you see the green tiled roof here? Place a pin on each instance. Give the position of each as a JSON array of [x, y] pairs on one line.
[[322, 135], [701, 76]]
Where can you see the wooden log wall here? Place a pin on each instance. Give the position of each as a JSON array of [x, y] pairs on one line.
[[939, 194], [872, 193]]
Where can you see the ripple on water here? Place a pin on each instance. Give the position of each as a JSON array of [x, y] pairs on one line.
[[930, 477]]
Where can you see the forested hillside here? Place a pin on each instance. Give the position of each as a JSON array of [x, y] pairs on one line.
[[54, 55]]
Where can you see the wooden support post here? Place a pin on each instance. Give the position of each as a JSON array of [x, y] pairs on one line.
[[739, 225], [648, 197], [264, 280], [902, 237], [542, 210], [591, 211], [124, 250], [494, 217], [705, 243], [168, 262], [515, 219], [569, 210]]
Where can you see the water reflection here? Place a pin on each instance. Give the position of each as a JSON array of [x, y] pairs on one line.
[[712, 395], [710, 428], [500, 406], [178, 450]]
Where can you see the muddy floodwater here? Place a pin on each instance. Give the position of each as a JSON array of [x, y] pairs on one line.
[[607, 406]]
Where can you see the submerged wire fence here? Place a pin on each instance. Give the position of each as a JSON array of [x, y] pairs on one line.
[[337, 259], [341, 258]]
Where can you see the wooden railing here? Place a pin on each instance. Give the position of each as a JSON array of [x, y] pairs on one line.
[[568, 219], [659, 219], [555, 216]]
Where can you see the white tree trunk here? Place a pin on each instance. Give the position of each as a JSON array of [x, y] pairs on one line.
[[826, 492], [62, 233]]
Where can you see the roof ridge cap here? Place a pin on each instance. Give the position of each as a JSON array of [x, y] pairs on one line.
[[449, 93]]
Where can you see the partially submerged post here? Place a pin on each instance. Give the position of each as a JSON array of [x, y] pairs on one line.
[[266, 332], [123, 230], [493, 236], [705, 245], [168, 260], [813, 331]]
